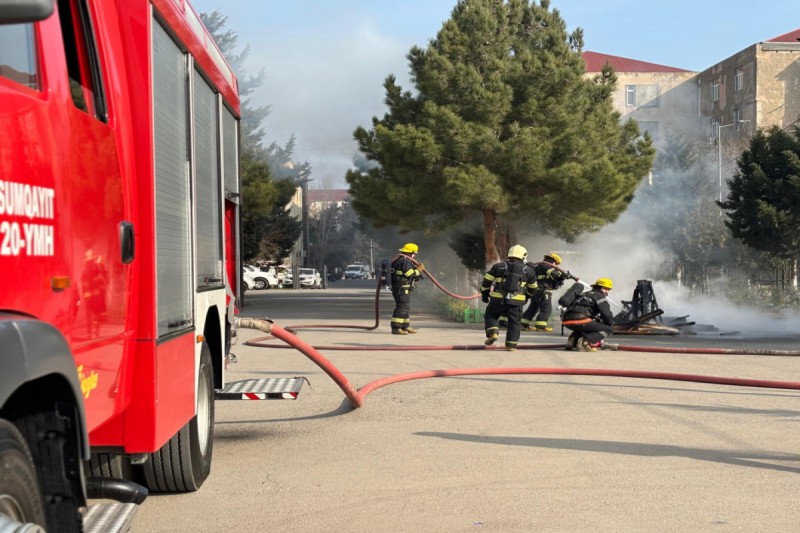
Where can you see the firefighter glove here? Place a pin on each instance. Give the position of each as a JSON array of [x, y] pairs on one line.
[[421, 267], [485, 297]]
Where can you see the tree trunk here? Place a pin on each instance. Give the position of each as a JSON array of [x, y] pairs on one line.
[[505, 237], [489, 236]]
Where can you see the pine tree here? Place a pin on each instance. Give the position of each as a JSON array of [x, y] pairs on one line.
[[504, 125], [763, 205]]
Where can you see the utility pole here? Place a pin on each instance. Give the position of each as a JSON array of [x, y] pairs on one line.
[[371, 261]]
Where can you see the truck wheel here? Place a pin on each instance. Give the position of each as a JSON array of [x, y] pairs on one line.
[[21, 506], [261, 283], [184, 462]]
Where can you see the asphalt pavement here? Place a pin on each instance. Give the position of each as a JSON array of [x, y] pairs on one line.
[[499, 452]]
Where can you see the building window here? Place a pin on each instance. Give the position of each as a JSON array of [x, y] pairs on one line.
[[630, 95], [714, 127], [641, 95], [715, 91], [737, 119], [738, 81]]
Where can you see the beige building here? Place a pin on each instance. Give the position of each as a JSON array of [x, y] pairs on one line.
[[754, 88], [757, 87], [658, 97]]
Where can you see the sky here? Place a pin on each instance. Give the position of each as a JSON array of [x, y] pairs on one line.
[[325, 61]]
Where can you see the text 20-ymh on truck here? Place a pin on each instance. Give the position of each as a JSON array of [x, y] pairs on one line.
[[119, 210]]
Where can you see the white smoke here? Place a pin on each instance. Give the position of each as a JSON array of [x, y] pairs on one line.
[[625, 252]]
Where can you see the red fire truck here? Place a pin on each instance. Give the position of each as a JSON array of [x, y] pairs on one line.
[[119, 209]]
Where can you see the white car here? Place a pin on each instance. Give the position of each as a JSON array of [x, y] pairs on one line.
[[310, 278], [256, 278]]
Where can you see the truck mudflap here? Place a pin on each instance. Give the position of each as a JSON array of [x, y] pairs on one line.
[[262, 389], [109, 517]]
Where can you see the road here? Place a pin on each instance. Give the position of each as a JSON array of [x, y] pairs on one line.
[[489, 452]]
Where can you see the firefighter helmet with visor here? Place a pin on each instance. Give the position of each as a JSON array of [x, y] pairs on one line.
[[409, 248], [553, 258], [605, 283], [518, 252]]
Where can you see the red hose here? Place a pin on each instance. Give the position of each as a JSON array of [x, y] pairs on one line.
[[704, 351], [436, 282], [307, 350], [356, 397], [369, 387]]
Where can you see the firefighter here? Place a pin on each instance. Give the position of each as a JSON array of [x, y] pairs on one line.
[[587, 315], [506, 287], [549, 278], [405, 272]]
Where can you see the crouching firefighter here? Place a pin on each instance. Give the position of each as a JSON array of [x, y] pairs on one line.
[[587, 315], [506, 287], [405, 273]]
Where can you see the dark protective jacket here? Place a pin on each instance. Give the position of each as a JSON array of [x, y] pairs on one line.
[[404, 273], [548, 277], [592, 304], [494, 282]]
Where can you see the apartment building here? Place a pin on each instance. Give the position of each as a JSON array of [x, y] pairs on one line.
[[754, 88], [660, 98], [757, 87]]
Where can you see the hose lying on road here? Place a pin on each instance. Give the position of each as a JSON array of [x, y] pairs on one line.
[[262, 342], [356, 397]]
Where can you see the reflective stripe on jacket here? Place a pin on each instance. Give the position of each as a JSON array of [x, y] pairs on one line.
[[495, 278]]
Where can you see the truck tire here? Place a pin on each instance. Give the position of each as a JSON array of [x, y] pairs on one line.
[[20, 500], [184, 462], [53, 440], [260, 283]]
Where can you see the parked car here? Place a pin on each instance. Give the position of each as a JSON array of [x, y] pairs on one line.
[[357, 271], [258, 279], [310, 278]]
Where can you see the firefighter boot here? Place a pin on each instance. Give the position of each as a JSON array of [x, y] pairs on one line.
[[490, 339], [572, 342], [545, 328], [586, 346], [410, 330], [399, 332]]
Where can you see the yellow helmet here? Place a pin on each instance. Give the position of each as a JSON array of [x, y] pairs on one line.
[[518, 252], [605, 283], [555, 258], [409, 248]]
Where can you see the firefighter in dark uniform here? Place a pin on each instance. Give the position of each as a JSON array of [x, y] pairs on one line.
[[405, 273], [506, 287], [588, 315], [548, 278]]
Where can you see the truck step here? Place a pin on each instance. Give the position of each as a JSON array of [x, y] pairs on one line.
[[109, 517], [262, 389]]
